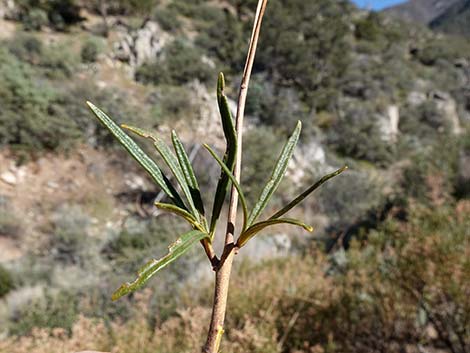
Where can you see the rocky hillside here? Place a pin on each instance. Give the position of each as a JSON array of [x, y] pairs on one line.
[[390, 99], [421, 11], [455, 20]]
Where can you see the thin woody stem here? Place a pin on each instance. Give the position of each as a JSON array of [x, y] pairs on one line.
[[223, 271]]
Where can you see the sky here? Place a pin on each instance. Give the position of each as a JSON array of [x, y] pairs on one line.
[[377, 4]]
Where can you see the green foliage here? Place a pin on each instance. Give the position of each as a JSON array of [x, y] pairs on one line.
[[35, 20], [56, 13], [355, 134], [6, 282], [69, 234], [222, 36], [296, 31], [432, 176], [258, 159], [188, 205], [50, 311], [168, 19], [181, 63], [31, 117], [90, 51], [369, 28], [442, 49]]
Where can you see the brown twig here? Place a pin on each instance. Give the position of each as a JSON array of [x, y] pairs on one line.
[[223, 271]]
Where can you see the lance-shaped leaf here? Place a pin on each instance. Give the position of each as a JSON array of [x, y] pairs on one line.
[[188, 171], [230, 152], [175, 250], [138, 154], [232, 178], [258, 227], [276, 176], [307, 192], [182, 213], [171, 160]]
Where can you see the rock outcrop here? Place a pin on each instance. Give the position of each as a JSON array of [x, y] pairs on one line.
[[138, 46]]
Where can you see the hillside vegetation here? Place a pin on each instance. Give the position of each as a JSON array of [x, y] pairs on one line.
[[387, 268]]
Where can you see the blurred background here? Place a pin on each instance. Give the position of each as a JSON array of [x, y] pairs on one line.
[[386, 92]]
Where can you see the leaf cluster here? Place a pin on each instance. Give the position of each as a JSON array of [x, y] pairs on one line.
[[185, 197]]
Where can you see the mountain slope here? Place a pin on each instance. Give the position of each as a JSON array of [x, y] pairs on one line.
[[421, 11], [455, 20]]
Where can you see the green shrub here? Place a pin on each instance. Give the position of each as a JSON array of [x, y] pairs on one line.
[[90, 51], [35, 20], [6, 281], [168, 19], [369, 28], [222, 37], [261, 146], [69, 236], [54, 310], [31, 118], [182, 62], [442, 49], [356, 134], [56, 13], [432, 176], [26, 47]]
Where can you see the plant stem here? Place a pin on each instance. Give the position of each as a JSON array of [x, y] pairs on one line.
[[223, 271]]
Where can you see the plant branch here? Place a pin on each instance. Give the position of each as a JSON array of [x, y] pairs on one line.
[[223, 271]]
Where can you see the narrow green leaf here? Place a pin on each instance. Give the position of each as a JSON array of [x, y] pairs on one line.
[[180, 212], [276, 176], [138, 154], [307, 192], [230, 152], [235, 183], [188, 172], [257, 227], [171, 160], [175, 250]]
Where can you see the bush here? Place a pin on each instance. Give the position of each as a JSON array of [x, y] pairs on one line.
[[355, 133], [369, 28], [6, 282], [54, 310], [182, 63], [26, 47], [263, 146], [69, 235], [168, 19], [56, 13], [432, 176], [35, 20], [90, 51], [31, 118], [356, 188]]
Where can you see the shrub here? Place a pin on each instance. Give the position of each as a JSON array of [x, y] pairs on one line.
[[26, 47], [90, 51], [355, 133], [54, 310], [182, 62], [69, 234], [369, 28], [168, 19], [258, 159], [6, 281], [56, 13], [35, 20], [30, 118], [432, 176]]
